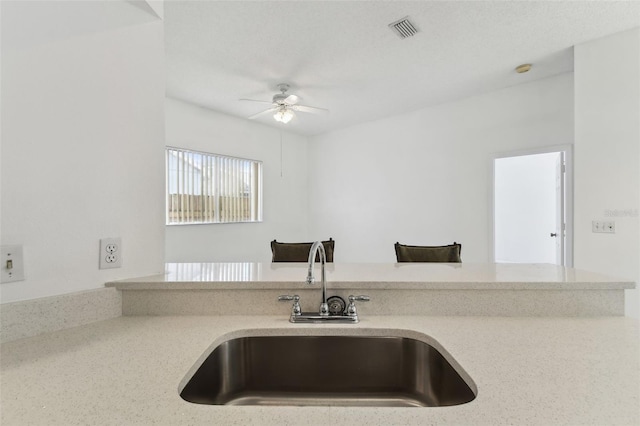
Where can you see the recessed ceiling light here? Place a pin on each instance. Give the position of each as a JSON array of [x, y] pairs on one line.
[[523, 68]]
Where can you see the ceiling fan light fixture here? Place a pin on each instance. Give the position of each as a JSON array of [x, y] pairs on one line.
[[284, 106], [283, 115]]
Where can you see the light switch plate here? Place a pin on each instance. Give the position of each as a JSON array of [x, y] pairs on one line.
[[12, 264]]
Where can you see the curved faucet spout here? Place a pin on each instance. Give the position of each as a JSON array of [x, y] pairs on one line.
[[317, 247]]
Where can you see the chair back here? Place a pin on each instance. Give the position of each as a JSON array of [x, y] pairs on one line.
[[299, 252], [449, 253]]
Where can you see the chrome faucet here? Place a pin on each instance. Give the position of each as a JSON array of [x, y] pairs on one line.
[[350, 315], [317, 247]]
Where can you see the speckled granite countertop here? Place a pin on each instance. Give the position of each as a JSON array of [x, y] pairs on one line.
[[448, 276], [528, 371]]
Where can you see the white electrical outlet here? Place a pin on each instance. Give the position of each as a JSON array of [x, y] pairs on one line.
[[12, 264], [610, 227], [110, 253], [605, 227]]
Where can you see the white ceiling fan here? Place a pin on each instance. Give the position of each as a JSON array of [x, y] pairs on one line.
[[284, 106]]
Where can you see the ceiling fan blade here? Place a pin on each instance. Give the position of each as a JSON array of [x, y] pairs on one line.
[[305, 108], [262, 112], [291, 100], [253, 100]]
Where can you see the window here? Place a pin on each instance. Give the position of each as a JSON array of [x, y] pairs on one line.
[[209, 188]]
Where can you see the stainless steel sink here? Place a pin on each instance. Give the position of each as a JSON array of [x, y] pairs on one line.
[[327, 370]]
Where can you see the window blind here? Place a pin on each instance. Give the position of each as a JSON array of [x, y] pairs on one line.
[[211, 188]]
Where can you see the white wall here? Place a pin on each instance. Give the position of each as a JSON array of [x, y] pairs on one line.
[[607, 151], [284, 185], [82, 155], [425, 177]]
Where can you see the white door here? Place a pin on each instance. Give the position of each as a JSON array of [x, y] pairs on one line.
[[529, 208]]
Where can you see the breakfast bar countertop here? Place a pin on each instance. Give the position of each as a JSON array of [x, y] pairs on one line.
[[127, 370], [448, 276], [435, 289]]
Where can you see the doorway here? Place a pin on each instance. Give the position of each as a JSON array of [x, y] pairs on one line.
[[532, 207]]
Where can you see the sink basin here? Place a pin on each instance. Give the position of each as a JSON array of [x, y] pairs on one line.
[[327, 370]]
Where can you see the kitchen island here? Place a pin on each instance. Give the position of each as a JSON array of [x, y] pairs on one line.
[[541, 345], [127, 371]]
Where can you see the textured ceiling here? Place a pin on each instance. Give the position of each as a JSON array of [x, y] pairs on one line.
[[342, 55]]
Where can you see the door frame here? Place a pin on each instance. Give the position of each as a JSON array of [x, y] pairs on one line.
[[568, 195]]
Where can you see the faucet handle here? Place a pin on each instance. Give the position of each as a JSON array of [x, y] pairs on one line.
[[286, 297], [295, 309], [351, 309]]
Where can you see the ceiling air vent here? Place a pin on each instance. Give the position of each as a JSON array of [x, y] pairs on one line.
[[403, 28]]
